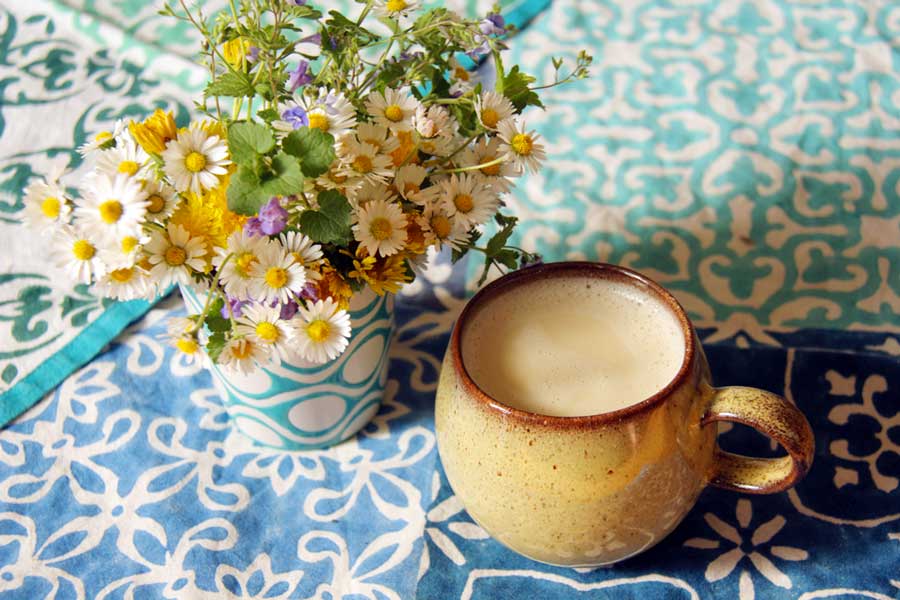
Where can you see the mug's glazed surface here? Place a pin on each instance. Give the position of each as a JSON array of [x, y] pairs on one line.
[[592, 490]]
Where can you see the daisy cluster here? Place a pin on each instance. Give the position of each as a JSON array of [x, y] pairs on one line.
[[347, 159]]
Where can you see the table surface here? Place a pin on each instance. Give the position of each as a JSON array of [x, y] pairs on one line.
[[744, 154]]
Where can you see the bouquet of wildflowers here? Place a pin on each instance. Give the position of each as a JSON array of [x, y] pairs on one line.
[[351, 150]]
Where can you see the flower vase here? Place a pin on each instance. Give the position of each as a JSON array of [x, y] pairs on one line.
[[299, 405]]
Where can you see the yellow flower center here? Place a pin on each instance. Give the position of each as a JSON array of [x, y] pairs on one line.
[[122, 275], [175, 256], [50, 207], [410, 188], [83, 250], [318, 330], [319, 121], [380, 228], [102, 136], [464, 203], [156, 203], [242, 349], [393, 113], [362, 164], [267, 332], [492, 170], [522, 144], [243, 264], [489, 117], [377, 143], [395, 5], [128, 244], [195, 162], [461, 74], [441, 226], [276, 277], [110, 211], [129, 167], [187, 345]]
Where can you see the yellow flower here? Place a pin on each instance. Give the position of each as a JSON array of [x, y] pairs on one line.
[[155, 131], [383, 274], [208, 217], [214, 128], [415, 236], [235, 50], [330, 283], [406, 147]]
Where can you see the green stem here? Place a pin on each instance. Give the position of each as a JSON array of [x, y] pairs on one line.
[[496, 161]]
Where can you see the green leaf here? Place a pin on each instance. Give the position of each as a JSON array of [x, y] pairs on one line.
[[215, 344], [515, 87], [331, 223], [499, 239], [245, 194], [214, 321], [246, 141], [285, 177], [268, 114], [509, 258], [232, 84], [313, 147]]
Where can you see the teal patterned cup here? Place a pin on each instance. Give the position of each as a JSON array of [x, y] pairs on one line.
[[298, 405]]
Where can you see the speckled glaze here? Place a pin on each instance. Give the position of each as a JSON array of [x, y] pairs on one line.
[[594, 490]]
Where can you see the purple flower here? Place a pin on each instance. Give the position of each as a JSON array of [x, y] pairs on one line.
[[315, 38], [297, 2], [253, 54], [236, 305], [493, 24], [310, 292], [288, 310], [271, 220], [299, 76], [296, 116]]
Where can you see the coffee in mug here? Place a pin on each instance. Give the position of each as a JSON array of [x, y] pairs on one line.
[[576, 419]]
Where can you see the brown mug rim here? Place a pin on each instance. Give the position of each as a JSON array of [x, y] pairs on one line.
[[581, 268]]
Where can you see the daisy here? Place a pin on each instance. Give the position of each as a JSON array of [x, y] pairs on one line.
[[436, 129], [195, 160], [303, 249], [408, 181], [393, 109], [126, 283], [333, 179], [77, 253], [264, 327], [371, 191], [46, 205], [463, 80], [331, 112], [104, 139], [395, 8], [441, 229], [182, 333], [378, 136], [245, 251], [242, 355], [381, 228], [321, 331], [123, 252], [127, 158], [362, 161], [492, 108], [469, 200], [173, 254], [113, 206], [486, 151], [161, 200], [276, 275], [520, 147]]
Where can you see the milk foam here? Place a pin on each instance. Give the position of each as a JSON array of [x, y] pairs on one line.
[[572, 346]]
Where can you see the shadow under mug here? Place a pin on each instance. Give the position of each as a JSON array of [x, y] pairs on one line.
[[594, 490]]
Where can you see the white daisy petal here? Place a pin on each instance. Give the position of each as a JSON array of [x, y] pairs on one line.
[[321, 331], [381, 227]]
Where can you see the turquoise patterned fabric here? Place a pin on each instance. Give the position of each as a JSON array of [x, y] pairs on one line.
[[745, 154]]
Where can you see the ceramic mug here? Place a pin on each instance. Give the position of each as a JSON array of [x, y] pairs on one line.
[[594, 490]]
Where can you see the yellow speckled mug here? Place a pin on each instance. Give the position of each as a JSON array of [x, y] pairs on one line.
[[596, 489]]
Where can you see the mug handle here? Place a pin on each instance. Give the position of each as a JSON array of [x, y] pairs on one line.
[[773, 416]]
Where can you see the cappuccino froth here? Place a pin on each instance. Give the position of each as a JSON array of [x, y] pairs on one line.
[[573, 346]]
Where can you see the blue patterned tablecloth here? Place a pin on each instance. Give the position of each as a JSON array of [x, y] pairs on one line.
[[745, 154]]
